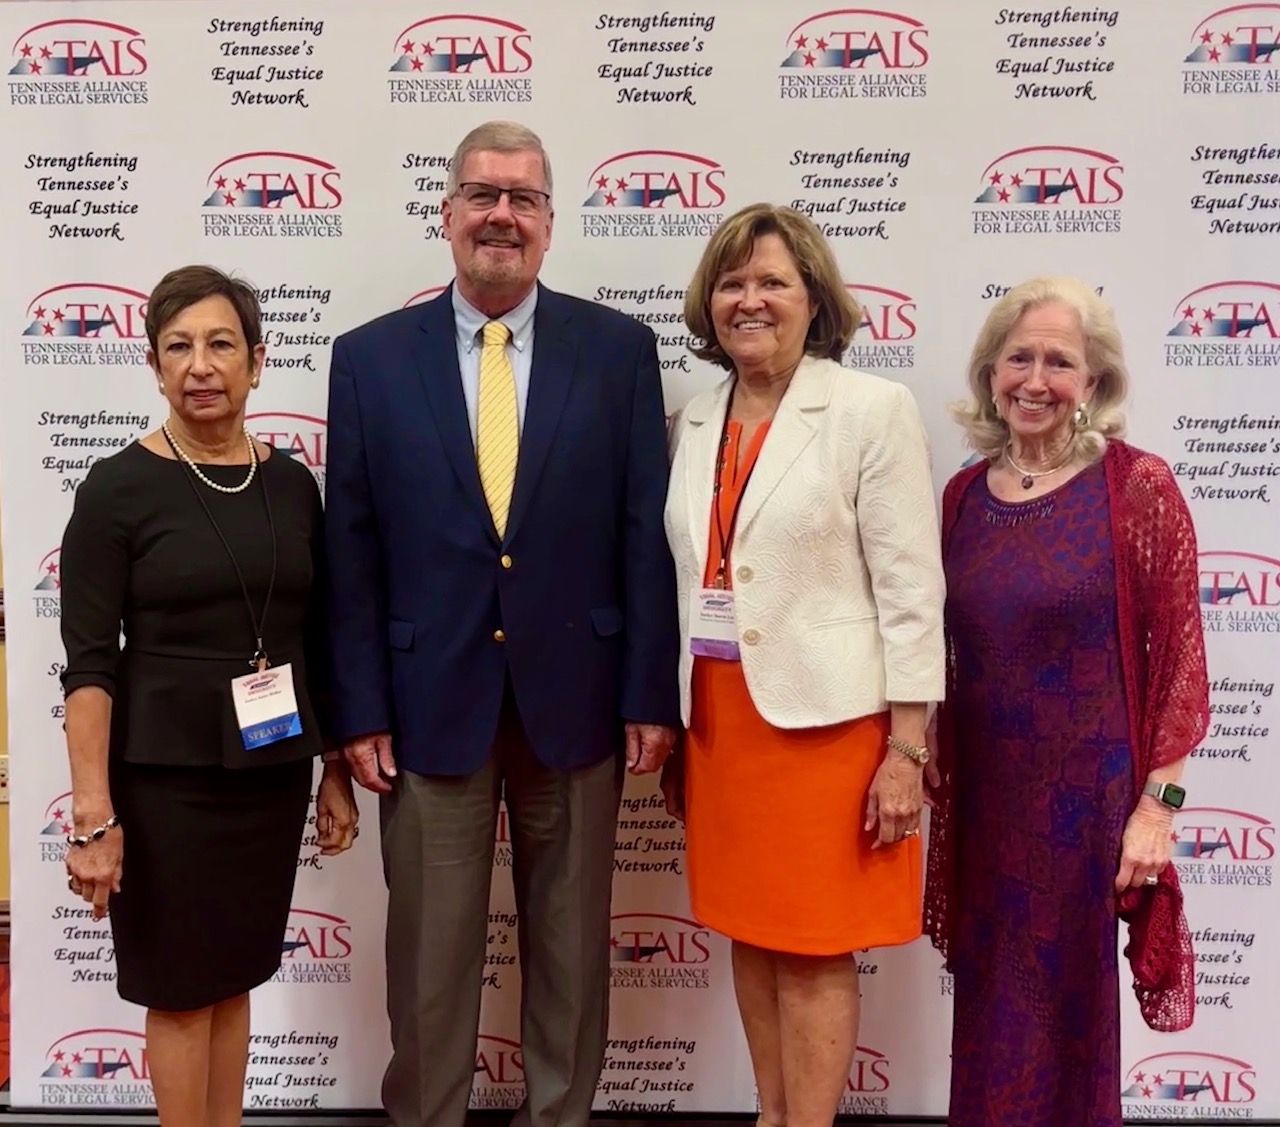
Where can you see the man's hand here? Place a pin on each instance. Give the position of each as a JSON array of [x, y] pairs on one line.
[[648, 746], [371, 761]]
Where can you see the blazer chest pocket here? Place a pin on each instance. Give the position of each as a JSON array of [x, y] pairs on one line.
[[400, 634], [606, 621]]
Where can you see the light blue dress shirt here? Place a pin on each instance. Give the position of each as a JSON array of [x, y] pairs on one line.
[[470, 323]]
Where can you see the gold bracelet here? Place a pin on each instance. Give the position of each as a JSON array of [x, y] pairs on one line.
[[919, 755]]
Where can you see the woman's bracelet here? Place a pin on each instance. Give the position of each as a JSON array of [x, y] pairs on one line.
[[96, 835]]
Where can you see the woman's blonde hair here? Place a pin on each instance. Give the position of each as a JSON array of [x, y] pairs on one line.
[[985, 431], [838, 314]]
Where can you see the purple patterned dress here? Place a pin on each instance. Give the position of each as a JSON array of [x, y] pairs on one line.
[[1043, 789]]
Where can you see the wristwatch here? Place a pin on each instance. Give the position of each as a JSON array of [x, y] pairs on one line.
[[1170, 794], [918, 755]]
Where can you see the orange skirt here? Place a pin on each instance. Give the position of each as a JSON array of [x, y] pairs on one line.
[[777, 854]]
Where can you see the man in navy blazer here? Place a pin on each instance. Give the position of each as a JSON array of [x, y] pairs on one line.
[[496, 640]]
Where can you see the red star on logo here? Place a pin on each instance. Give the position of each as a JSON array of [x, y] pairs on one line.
[[821, 44], [1139, 1077], [1227, 41], [36, 68], [802, 42], [52, 569], [417, 63], [809, 60], [1146, 1092], [1207, 37], [1195, 332], [1015, 180], [59, 1056], [1189, 313], [26, 50], [45, 53], [622, 185], [66, 1070], [613, 942], [239, 185], [996, 178], [220, 182], [39, 314], [611, 199], [57, 315], [1157, 1080], [48, 329], [1215, 54], [1208, 314], [603, 182], [65, 827], [76, 1058], [1174, 836], [1004, 195], [229, 199], [428, 50], [407, 46], [58, 815]]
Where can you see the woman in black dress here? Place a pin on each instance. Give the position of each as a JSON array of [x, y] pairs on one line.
[[205, 547]]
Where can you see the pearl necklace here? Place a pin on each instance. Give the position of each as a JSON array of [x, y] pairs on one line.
[[1029, 476], [191, 464]]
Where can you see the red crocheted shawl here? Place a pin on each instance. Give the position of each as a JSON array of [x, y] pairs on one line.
[[1167, 687]]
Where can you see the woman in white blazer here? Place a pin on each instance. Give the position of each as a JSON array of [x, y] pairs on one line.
[[802, 520]]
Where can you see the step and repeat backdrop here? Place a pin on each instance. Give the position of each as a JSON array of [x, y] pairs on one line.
[[948, 150]]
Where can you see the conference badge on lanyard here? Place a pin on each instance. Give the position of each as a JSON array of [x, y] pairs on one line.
[[266, 706], [713, 624]]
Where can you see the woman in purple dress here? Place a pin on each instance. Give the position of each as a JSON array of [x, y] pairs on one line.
[[1077, 688]]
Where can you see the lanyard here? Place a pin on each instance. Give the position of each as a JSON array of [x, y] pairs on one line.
[[723, 540], [259, 660]]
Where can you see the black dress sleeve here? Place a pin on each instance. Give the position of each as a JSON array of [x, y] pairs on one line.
[[316, 625], [95, 566]]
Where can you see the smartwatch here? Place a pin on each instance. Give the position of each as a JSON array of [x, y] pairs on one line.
[[1170, 794]]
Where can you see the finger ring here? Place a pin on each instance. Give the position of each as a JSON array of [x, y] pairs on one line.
[[910, 833], [1152, 879]]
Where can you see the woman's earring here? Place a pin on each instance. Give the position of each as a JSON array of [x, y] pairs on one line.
[[160, 387], [253, 382], [1081, 418]]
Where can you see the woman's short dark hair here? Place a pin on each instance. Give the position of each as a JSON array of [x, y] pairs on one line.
[[187, 285], [838, 314]]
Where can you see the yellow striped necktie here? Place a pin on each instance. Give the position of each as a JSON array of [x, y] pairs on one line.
[[497, 424]]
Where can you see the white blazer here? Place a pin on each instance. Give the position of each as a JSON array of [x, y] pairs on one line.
[[837, 565]]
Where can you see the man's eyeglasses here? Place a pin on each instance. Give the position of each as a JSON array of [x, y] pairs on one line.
[[485, 197]]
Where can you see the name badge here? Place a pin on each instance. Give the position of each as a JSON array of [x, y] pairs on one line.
[[713, 625], [266, 706]]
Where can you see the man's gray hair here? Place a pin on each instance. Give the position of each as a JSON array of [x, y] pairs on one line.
[[498, 137]]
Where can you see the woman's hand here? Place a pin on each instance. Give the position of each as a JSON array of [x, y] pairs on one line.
[[895, 799], [1147, 845], [337, 816], [94, 870]]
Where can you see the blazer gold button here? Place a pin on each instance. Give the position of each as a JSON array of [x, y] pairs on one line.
[[499, 636], [506, 562], [745, 574], [751, 637]]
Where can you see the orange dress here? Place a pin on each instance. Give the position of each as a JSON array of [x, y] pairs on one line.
[[777, 854]]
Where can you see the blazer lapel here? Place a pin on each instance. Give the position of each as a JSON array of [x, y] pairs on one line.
[[703, 424], [436, 354], [555, 353], [792, 429]]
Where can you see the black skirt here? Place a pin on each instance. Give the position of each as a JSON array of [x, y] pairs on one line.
[[210, 856]]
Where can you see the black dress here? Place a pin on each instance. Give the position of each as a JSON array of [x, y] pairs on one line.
[[211, 831]]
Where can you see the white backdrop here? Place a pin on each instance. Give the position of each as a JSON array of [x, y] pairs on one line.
[[949, 149]]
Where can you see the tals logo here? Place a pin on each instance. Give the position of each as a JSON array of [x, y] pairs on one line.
[[305, 438], [1210, 1086], [654, 192], [1232, 51], [78, 63], [865, 1089], [46, 596], [886, 332], [462, 58], [87, 311], [54, 826], [499, 1073], [1212, 845], [860, 41], [424, 296], [1050, 189], [273, 194], [115, 1059], [1229, 309], [659, 951], [317, 949], [1240, 581]]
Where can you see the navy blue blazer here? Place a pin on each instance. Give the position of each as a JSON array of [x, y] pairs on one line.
[[429, 610]]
